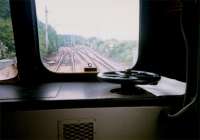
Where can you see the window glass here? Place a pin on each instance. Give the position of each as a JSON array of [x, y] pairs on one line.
[[8, 68], [79, 34]]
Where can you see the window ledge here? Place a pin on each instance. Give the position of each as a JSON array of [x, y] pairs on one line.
[[90, 94]]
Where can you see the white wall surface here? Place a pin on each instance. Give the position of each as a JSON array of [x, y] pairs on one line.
[[118, 123]]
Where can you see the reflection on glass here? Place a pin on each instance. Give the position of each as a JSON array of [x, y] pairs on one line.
[[76, 34]]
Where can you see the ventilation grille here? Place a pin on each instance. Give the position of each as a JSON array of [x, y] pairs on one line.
[[76, 130]]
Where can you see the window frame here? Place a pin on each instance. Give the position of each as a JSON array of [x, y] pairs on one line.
[[30, 66], [31, 69]]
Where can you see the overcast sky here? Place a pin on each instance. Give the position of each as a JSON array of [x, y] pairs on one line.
[[105, 19]]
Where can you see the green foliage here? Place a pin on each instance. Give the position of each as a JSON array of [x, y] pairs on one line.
[[61, 40], [52, 36], [7, 49], [6, 34], [119, 51], [4, 9], [52, 39]]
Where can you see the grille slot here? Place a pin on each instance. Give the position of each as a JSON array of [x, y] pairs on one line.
[[76, 130]]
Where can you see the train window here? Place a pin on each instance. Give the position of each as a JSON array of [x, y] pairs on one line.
[[8, 68], [76, 34]]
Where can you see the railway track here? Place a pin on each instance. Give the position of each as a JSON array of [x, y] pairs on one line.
[[73, 62], [99, 63], [90, 53], [85, 58], [59, 62], [78, 58]]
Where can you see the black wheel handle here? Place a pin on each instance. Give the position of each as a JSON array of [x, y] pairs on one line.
[[129, 77]]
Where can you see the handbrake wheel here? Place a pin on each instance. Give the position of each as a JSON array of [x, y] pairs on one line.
[[129, 78]]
